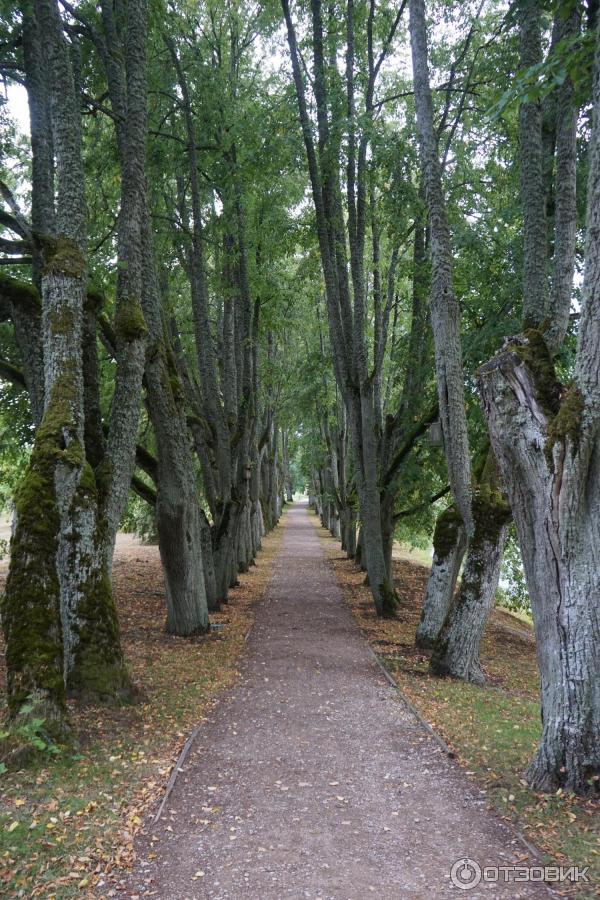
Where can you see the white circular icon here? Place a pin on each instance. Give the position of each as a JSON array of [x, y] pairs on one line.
[[465, 874]]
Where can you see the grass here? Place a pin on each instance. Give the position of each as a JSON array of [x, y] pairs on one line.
[[67, 825], [493, 730]]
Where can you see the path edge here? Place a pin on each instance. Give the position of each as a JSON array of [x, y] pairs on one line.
[[514, 825]]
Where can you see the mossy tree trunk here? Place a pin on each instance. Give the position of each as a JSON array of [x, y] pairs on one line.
[[456, 649], [545, 438], [31, 619], [40, 544], [449, 545], [95, 669], [92, 660]]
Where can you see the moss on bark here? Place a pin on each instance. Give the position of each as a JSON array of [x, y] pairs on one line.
[[533, 351], [129, 319], [564, 409], [31, 603], [445, 533], [566, 424], [21, 292], [62, 256], [99, 673]]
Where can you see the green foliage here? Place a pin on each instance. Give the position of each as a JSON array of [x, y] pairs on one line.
[[26, 735], [572, 58], [512, 592], [139, 519]]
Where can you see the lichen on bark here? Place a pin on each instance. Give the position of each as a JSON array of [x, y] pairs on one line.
[[97, 672]]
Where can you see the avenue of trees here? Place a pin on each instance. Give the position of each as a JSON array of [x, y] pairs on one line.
[[354, 246]]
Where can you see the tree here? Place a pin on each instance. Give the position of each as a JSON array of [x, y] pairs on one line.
[[545, 436]]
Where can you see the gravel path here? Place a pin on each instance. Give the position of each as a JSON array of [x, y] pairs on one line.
[[311, 779]]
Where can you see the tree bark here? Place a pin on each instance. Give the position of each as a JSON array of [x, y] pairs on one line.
[[545, 438], [445, 313], [177, 508], [456, 650], [449, 545], [535, 275]]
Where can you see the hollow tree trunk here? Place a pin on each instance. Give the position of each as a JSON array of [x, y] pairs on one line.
[[449, 544], [456, 650]]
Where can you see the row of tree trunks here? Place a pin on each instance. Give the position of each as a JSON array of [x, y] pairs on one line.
[[341, 230]]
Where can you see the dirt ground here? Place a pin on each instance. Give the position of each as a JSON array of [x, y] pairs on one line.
[[311, 779]]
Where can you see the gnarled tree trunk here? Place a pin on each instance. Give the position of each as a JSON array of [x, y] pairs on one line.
[[554, 494]]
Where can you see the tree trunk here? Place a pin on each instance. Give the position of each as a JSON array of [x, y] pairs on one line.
[[449, 544], [177, 509], [31, 618], [180, 543], [348, 530], [445, 312], [545, 438], [387, 531], [556, 514], [351, 533], [210, 579], [533, 195], [456, 650], [359, 554], [363, 436]]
